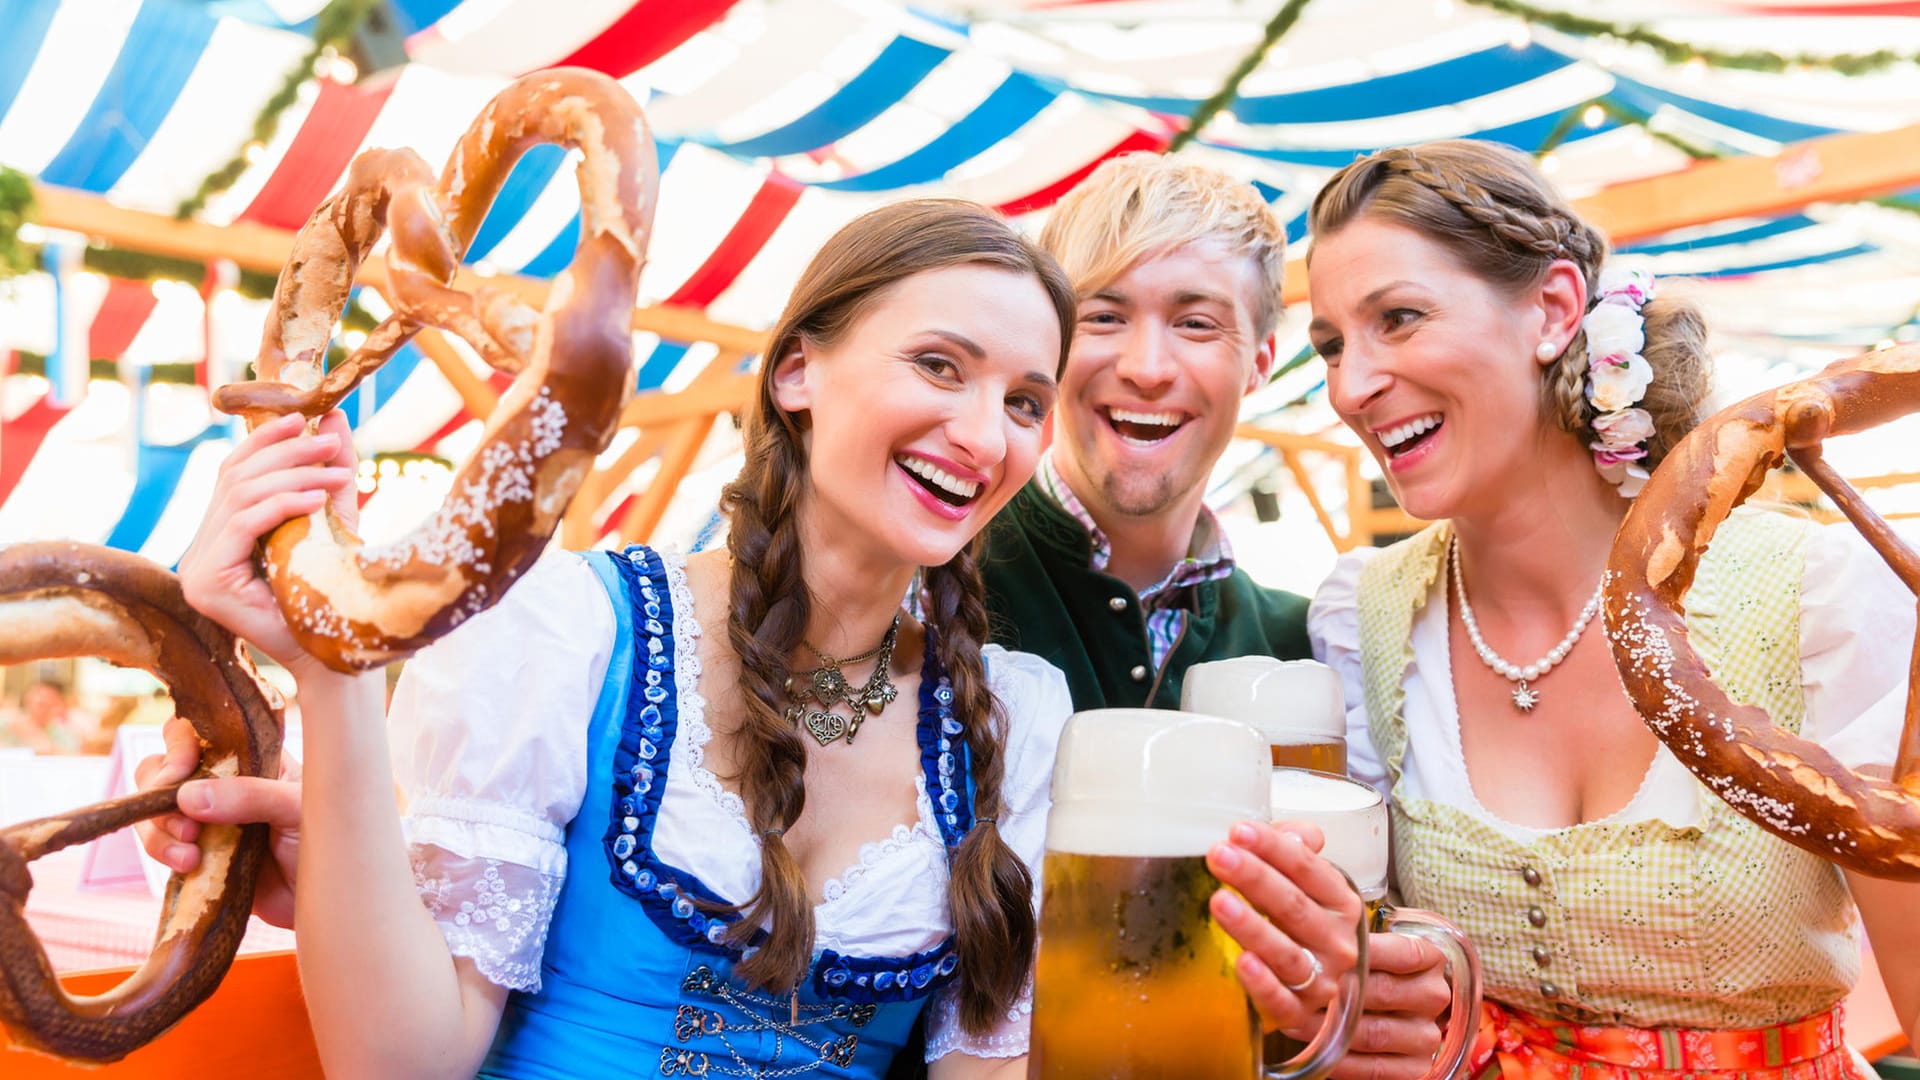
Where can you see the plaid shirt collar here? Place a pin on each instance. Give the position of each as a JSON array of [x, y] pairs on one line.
[[1209, 557]]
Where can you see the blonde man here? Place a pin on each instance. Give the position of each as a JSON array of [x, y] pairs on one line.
[[1109, 563]]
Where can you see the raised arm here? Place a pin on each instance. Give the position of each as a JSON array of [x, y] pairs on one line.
[[385, 995]]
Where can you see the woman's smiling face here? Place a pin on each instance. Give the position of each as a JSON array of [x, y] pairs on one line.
[[929, 413], [1433, 366]]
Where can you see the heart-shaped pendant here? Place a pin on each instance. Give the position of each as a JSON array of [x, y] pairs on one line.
[[825, 727]]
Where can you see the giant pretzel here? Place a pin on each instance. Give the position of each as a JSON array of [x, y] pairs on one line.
[[350, 606], [1786, 784], [356, 607], [59, 600]]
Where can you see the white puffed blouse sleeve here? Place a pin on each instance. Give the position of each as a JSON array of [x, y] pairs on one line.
[[1856, 647], [488, 728], [1034, 695], [1333, 627]]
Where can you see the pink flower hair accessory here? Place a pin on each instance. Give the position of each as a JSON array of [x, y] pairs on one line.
[[1618, 377]]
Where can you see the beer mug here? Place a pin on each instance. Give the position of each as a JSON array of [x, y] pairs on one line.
[[1353, 818], [1134, 978], [1296, 704]]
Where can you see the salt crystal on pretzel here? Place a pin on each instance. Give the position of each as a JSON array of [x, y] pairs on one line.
[[355, 607], [1782, 782]]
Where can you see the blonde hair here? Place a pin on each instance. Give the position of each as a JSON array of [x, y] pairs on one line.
[[1140, 205], [1496, 213]]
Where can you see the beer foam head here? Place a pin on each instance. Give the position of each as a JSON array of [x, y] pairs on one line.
[[1283, 698], [1152, 782], [1352, 815]]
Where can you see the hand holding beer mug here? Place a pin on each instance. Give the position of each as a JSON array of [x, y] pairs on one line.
[[1353, 818], [1296, 704], [1135, 979]]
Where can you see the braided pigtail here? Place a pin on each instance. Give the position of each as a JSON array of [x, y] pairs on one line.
[[769, 604], [990, 889], [768, 607]]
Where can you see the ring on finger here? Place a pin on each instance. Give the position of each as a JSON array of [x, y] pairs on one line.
[[1314, 971]]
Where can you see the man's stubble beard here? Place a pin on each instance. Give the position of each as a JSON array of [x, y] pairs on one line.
[[1138, 496]]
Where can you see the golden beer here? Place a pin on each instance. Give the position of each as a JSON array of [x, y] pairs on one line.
[[1303, 752], [1134, 979]]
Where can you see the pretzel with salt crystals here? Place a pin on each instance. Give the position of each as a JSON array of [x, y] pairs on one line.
[[60, 600], [356, 607], [1789, 786]]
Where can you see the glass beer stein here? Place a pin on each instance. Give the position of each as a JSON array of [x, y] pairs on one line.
[[1353, 817], [1296, 704], [1134, 978]]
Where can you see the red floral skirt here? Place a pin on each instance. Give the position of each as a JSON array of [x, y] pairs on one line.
[[1516, 1045]]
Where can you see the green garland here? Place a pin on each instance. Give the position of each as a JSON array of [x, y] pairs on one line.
[[1674, 51], [333, 31], [1277, 28], [1623, 115], [1671, 50], [16, 209]]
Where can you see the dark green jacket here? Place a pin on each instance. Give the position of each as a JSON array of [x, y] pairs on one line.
[[1045, 597]]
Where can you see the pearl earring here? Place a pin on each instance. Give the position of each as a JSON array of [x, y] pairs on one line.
[[1546, 350]]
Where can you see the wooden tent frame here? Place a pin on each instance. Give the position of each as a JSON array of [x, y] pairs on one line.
[[674, 426]]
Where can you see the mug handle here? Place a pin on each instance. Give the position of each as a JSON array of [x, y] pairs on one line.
[[1463, 965], [1329, 1045]]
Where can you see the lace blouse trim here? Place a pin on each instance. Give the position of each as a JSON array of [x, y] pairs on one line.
[[945, 1035], [874, 853], [693, 705], [495, 913]]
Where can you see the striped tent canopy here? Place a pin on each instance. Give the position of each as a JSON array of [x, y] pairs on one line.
[[779, 120]]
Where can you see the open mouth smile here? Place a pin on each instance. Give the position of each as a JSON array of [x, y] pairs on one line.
[[1404, 438], [942, 485], [1140, 428]]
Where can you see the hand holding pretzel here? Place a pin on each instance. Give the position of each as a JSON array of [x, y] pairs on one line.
[[1786, 784], [355, 607], [61, 599]]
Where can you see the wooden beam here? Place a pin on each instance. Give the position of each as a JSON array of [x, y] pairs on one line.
[[474, 392], [683, 446], [259, 247], [730, 393], [1305, 481], [1831, 168], [1293, 440]]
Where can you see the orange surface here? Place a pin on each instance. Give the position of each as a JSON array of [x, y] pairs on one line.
[[254, 1026]]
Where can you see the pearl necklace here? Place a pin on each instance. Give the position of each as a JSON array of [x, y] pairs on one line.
[[1524, 696]]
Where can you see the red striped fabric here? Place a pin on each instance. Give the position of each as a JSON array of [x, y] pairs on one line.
[[120, 317], [20, 439], [334, 129], [769, 207], [648, 31], [1047, 196]]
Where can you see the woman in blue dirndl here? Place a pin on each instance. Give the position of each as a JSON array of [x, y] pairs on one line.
[[738, 813]]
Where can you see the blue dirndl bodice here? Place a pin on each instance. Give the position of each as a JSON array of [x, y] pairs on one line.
[[635, 981]]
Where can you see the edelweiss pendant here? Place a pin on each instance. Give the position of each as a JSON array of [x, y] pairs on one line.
[[1524, 698]]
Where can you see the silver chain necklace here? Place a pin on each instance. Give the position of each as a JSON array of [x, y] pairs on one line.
[[1524, 697]]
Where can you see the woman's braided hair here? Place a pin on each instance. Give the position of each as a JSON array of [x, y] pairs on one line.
[[1493, 210], [990, 891]]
